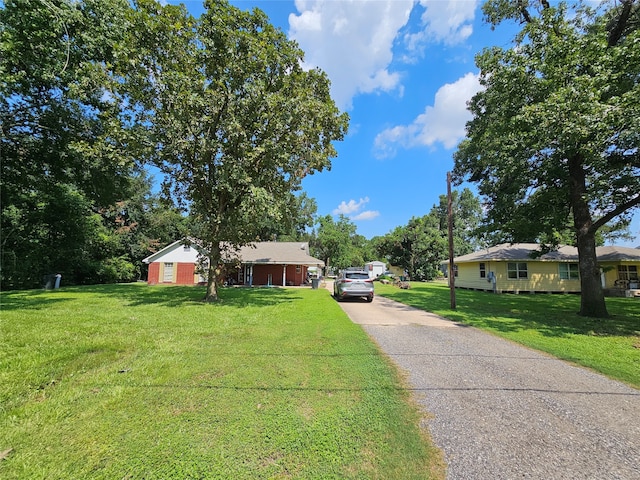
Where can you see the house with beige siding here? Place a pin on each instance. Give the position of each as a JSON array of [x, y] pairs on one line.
[[261, 263], [519, 268]]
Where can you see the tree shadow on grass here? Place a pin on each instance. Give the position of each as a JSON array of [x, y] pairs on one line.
[[551, 315], [29, 300], [142, 294]]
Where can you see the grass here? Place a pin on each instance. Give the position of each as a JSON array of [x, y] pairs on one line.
[[545, 322], [132, 381]]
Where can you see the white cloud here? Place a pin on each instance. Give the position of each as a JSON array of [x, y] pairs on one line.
[[351, 40], [443, 21], [352, 207], [450, 21], [367, 215], [346, 208], [444, 122]]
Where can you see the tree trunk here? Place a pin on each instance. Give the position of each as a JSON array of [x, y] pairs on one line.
[[592, 302], [213, 277]]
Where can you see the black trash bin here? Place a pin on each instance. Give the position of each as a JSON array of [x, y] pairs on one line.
[[315, 282]]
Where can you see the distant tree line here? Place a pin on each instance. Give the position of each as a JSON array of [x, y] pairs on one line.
[[419, 248]]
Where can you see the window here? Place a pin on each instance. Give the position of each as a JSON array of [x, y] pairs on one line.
[[569, 271], [627, 272], [356, 275], [483, 270], [298, 269], [168, 272], [517, 270], [455, 270], [187, 248]]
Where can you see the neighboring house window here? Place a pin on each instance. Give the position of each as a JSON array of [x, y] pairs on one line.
[[298, 269], [483, 270], [168, 272], [455, 270], [569, 271], [517, 270], [187, 248], [627, 272]]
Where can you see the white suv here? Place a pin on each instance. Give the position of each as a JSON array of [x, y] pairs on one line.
[[353, 283]]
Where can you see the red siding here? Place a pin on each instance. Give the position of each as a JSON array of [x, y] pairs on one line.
[[154, 273], [261, 274], [294, 278], [185, 274]]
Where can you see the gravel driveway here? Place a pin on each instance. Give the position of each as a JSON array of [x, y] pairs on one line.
[[502, 411]]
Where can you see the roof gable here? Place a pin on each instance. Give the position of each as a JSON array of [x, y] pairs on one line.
[[177, 252]]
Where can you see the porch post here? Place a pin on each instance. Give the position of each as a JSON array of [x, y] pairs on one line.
[[284, 275]]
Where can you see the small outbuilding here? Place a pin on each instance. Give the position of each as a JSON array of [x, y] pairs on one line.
[[175, 263], [375, 268]]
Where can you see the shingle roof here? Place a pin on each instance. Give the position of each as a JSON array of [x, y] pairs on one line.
[[291, 253], [614, 253], [565, 253]]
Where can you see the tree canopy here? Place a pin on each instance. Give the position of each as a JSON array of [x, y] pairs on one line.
[[555, 132], [338, 245]]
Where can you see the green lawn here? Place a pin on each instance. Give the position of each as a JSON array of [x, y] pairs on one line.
[[132, 381], [545, 322]]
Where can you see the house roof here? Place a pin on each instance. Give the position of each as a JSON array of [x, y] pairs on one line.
[[290, 253], [565, 253], [614, 253]]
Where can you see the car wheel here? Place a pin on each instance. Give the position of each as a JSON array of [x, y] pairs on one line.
[[370, 298]]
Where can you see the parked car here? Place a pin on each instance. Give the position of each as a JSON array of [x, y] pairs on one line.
[[353, 283]]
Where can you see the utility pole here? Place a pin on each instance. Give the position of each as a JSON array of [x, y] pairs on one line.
[[452, 277]]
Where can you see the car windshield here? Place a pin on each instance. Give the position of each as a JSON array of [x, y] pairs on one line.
[[357, 275]]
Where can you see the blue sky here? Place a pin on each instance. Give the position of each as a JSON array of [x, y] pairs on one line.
[[403, 70]]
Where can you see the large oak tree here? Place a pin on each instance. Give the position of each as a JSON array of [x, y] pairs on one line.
[[234, 121], [555, 132]]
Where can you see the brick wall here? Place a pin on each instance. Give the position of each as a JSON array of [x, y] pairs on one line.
[[154, 273]]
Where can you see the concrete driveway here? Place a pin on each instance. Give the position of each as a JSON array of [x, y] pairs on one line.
[[502, 411]]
